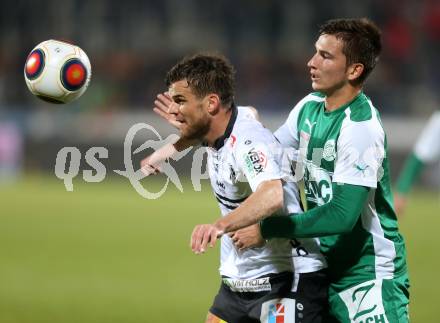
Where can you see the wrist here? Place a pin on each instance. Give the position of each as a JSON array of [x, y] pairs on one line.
[[220, 225]]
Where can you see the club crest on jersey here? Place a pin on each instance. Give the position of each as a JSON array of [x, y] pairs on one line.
[[255, 161], [329, 152]]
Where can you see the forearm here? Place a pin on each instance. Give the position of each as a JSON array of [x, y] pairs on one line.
[[336, 217], [265, 201], [409, 174]]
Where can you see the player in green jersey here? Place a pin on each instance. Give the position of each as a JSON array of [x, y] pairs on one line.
[[343, 157], [426, 151]]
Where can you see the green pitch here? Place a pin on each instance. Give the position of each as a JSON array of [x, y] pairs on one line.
[[104, 254]]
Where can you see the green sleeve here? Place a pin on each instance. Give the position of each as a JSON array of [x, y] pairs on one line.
[[335, 217], [409, 174]]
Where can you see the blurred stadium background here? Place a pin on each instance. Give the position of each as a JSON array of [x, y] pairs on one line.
[[102, 253]]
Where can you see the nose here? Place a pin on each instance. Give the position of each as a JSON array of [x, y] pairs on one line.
[[311, 62], [173, 108]]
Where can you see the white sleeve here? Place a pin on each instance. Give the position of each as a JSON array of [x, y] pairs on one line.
[[287, 134], [427, 148], [248, 112], [360, 152], [256, 156]]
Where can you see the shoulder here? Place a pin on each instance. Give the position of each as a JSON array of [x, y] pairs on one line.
[[250, 128], [310, 101], [311, 98], [249, 132], [362, 122], [248, 112]]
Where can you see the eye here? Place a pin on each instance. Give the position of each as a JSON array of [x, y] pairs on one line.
[[179, 100]]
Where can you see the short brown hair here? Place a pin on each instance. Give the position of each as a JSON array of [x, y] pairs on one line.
[[362, 41], [205, 73]]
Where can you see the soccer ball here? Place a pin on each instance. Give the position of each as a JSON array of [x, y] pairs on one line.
[[57, 71]]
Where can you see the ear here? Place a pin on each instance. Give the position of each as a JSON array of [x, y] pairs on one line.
[[354, 71], [213, 103]]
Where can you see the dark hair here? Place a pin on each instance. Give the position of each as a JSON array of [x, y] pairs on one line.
[[205, 73], [362, 42]]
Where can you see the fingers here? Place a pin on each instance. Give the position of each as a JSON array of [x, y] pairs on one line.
[[203, 235], [208, 236], [148, 169], [247, 238], [163, 102], [163, 114], [168, 117], [161, 105], [194, 237]]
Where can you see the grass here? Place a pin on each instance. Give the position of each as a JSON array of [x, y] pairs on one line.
[[102, 253]]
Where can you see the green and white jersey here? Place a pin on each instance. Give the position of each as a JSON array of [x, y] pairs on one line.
[[348, 146]]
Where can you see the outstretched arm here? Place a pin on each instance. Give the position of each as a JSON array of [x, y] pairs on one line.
[[267, 199], [336, 217]]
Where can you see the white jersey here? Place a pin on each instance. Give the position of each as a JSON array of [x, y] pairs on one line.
[[245, 156], [427, 148]]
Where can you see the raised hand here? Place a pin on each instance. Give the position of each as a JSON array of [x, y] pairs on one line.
[[163, 106]]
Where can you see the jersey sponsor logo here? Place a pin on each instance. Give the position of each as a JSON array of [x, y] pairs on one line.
[[375, 319], [318, 182], [329, 152], [255, 161], [362, 292], [278, 311], [248, 285], [364, 302]]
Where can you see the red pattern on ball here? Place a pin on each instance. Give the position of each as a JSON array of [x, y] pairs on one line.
[[75, 74], [33, 63]]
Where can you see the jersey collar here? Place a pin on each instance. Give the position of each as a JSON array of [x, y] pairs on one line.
[[220, 141]]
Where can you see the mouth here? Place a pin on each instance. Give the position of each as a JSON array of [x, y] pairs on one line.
[[180, 121], [313, 76], [181, 124]]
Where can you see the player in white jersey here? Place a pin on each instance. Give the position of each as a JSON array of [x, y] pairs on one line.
[[244, 162], [426, 151]]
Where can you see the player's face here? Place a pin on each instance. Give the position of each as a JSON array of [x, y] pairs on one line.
[[191, 112], [328, 66]]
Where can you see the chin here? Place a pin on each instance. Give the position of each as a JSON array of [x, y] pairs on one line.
[[316, 87]]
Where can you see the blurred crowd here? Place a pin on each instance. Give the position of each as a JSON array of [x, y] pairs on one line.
[[132, 44]]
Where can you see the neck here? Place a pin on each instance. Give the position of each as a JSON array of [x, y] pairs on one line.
[[340, 97], [219, 123]]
